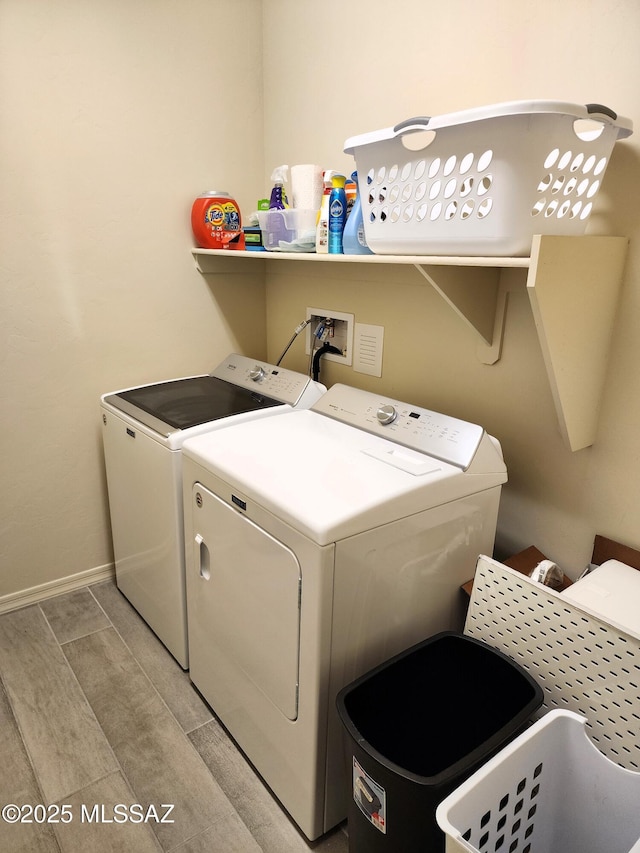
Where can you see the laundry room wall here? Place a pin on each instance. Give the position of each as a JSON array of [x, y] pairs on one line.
[[115, 116], [333, 70]]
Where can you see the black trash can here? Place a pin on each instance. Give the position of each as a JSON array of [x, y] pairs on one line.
[[416, 727]]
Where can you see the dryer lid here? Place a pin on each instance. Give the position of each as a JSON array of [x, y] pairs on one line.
[[429, 433], [330, 480]]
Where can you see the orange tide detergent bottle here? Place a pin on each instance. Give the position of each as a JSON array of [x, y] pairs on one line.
[[216, 221]]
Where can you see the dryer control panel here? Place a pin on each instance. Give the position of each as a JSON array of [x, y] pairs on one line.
[[439, 436], [280, 384]]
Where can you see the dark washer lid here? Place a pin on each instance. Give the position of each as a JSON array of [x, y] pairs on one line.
[[184, 403]]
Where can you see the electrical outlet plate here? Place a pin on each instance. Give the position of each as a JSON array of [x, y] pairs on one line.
[[342, 334]]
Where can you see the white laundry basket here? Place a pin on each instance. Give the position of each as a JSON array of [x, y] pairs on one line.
[[549, 791], [484, 181]]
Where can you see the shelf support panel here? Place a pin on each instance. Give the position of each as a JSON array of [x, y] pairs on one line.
[[477, 298], [573, 286]]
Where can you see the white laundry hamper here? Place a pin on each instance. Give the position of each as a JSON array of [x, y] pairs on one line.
[[484, 181], [549, 791]]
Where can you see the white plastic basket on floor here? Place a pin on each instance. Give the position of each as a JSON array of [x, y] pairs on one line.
[[484, 181], [549, 791]]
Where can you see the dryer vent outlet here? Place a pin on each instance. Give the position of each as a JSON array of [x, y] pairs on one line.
[[334, 327]]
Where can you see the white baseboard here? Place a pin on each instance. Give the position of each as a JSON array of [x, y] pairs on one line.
[[47, 590]]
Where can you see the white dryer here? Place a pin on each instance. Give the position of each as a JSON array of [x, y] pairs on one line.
[[318, 545], [144, 429]]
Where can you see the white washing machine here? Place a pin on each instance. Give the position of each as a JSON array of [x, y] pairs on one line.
[[144, 429], [318, 545]]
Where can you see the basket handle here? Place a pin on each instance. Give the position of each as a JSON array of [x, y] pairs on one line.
[[411, 124], [595, 109], [420, 122]]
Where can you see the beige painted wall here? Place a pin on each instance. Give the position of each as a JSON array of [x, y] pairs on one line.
[[115, 115], [353, 67]]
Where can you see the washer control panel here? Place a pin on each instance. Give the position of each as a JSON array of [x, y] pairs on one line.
[[439, 436], [281, 384]]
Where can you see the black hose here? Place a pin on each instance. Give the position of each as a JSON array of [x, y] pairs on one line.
[[325, 348]]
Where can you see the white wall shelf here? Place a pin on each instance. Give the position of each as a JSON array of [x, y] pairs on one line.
[[572, 283]]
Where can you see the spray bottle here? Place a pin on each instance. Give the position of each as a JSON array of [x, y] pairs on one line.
[[278, 200], [337, 214], [275, 221], [354, 241], [322, 228]]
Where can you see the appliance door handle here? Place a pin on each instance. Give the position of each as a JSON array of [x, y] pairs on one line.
[[204, 558]]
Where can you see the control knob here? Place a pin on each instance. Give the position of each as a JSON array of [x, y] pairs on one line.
[[386, 414], [256, 373]]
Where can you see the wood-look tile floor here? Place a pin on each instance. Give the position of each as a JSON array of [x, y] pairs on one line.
[[94, 712]]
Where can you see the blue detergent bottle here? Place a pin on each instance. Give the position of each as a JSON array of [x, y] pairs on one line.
[[337, 214], [354, 241]]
